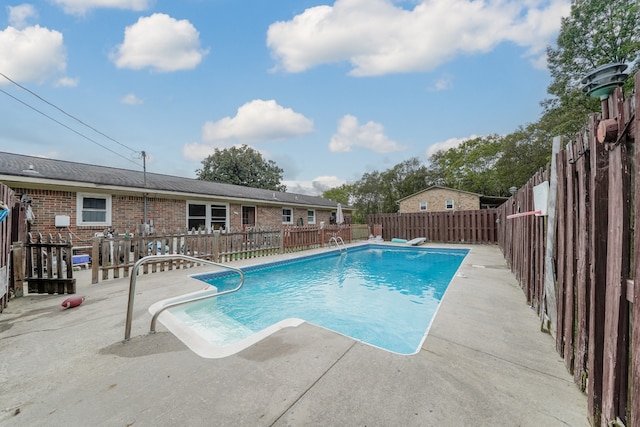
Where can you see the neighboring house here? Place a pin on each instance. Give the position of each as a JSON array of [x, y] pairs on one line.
[[83, 199], [438, 199]]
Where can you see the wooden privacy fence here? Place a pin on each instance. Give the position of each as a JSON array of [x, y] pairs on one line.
[[593, 302], [522, 240], [360, 231], [6, 197], [309, 237], [477, 226], [119, 254]]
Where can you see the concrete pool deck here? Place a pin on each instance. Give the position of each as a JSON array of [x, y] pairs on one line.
[[484, 363]]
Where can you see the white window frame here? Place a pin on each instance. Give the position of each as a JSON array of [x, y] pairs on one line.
[[207, 210], [188, 217], [80, 208], [290, 215], [311, 216], [423, 206], [224, 206], [449, 204]]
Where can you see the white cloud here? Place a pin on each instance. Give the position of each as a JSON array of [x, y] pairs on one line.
[[370, 136], [161, 43], [196, 151], [378, 37], [31, 54], [80, 7], [19, 15], [445, 145], [540, 62], [538, 28], [255, 121], [258, 120], [66, 82], [131, 99], [315, 187], [445, 82]]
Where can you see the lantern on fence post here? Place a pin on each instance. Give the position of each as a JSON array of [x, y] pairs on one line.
[[600, 82]]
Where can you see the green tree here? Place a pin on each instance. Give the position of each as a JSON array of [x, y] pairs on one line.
[[379, 192], [367, 196], [340, 194], [471, 166], [597, 32], [241, 166], [524, 152], [404, 179]]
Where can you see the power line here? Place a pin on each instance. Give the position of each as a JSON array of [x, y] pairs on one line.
[[71, 129], [67, 114]]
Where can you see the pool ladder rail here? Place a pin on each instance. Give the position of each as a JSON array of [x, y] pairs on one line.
[[339, 243], [201, 296]]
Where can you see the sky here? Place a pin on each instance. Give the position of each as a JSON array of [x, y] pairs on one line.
[[328, 90]]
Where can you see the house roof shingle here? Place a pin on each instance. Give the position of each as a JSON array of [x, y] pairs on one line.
[[13, 167]]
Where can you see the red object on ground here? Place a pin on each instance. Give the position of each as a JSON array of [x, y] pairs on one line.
[[72, 301]]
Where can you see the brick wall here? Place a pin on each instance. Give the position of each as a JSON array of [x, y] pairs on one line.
[[128, 212], [436, 199], [271, 216]]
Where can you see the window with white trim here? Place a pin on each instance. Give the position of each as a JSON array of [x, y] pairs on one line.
[[423, 206], [196, 216], [287, 216], [218, 217], [93, 209], [206, 216], [448, 204], [311, 216]]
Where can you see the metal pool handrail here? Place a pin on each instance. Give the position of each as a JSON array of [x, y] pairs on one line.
[[338, 240], [155, 258]]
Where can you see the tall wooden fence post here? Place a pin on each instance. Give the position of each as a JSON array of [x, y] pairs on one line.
[[95, 260], [635, 339], [550, 300], [599, 189], [282, 240], [18, 269], [216, 247], [616, 320]]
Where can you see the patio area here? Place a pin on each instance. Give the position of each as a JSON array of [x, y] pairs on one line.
[[484, 363]]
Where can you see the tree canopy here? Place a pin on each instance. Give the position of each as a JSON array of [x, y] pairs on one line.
[[340, 194], [471, 166], [595, 33], [378, 191], [241, 166]]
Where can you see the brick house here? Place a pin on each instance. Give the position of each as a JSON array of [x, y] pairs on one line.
[[438, 199], [84, 199]]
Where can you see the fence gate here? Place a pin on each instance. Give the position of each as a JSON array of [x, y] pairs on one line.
[[49, 265]]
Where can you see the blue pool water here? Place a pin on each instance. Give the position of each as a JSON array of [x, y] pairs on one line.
[[385, 296]]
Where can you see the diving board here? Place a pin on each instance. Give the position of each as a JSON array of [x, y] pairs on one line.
[[417, 241]]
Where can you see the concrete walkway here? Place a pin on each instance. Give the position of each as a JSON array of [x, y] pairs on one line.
[[484, 363]]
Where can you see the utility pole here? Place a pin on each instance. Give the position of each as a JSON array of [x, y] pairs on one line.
[[144, 174]]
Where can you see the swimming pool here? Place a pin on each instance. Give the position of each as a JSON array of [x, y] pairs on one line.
[[383, 295]]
